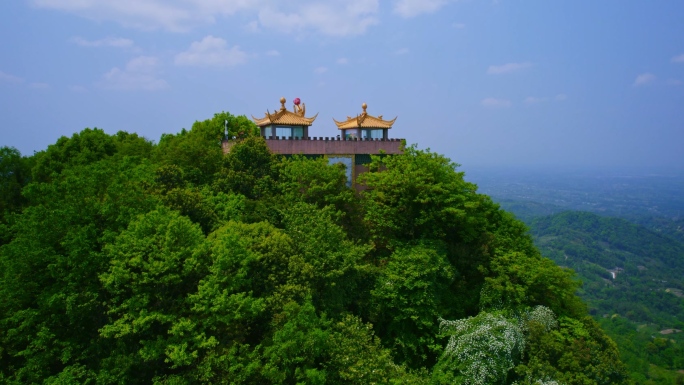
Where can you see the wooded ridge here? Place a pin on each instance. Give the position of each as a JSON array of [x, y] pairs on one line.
[[125, 261]]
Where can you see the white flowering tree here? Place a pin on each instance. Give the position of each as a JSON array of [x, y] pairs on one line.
[[483, 349], [543, 316]]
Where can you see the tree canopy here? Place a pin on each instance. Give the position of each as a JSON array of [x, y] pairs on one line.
[[125, 261]]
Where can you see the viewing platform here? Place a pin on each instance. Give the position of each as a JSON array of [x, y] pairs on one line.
[[334, 146], [287, 133]]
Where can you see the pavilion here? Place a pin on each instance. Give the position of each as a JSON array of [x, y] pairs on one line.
[[288, 133]]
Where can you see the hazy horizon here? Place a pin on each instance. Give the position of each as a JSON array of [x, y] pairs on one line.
[[596, 85]]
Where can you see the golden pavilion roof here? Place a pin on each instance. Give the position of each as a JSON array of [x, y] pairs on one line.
[[285, 117], [364, 121]]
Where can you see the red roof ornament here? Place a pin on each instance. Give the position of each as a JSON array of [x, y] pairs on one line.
[[297, 101]]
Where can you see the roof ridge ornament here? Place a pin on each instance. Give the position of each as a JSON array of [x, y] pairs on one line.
[[299, 110], [364, 120], [286, 117]]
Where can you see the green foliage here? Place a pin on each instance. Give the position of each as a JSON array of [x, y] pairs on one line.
[[205, 207], [298, 347], [577, 352], [248, 169], [418, 196], [15, 173], [332, 265], [198, 152], [155, 264], [357, 357], [129, 262], [90, 145], [315, 182], [640, 301], [50, 294], [521, 280], [408, 300], [238, 126], [85, 147]]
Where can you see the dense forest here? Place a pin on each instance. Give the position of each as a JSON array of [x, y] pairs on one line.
[[124, 261], [633, 284]]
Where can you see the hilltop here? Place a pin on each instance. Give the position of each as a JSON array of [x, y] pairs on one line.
[[126, 261]]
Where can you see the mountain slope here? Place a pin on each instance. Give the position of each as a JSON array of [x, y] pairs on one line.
[[633, 280]]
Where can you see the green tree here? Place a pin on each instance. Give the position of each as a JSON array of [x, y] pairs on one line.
[[319, 183], [519, 280], [577, 352], [86, 147], [50, 294], [408, 299], [418, 195], [129, 262], [14, 175], [156, 263], [333, 265], [248, 169], [299, 348], [238, 126]]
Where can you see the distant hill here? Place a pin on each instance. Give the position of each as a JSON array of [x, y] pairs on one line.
[[633, 280], [641, 306], [627, 194], [673, 228], [580, 240]]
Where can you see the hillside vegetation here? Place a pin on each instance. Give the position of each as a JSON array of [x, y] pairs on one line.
[[633, 283], [128, 262]]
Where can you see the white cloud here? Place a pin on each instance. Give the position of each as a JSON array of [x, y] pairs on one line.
[[211, 52], [150, 14], [644, 79], [674, 82], [140, 74], [320, 70], [342, 61], [331, 17], [253, 26], [458, 25], [507, 68], [678, 59], [39, 86], [334, 17], [7, 78], [76, 88], [106, 42], [534, 100], [412, 8], [272, 53], [401, 51], [495, 103]]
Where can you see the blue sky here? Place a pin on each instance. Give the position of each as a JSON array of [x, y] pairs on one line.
[[488, 83]]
